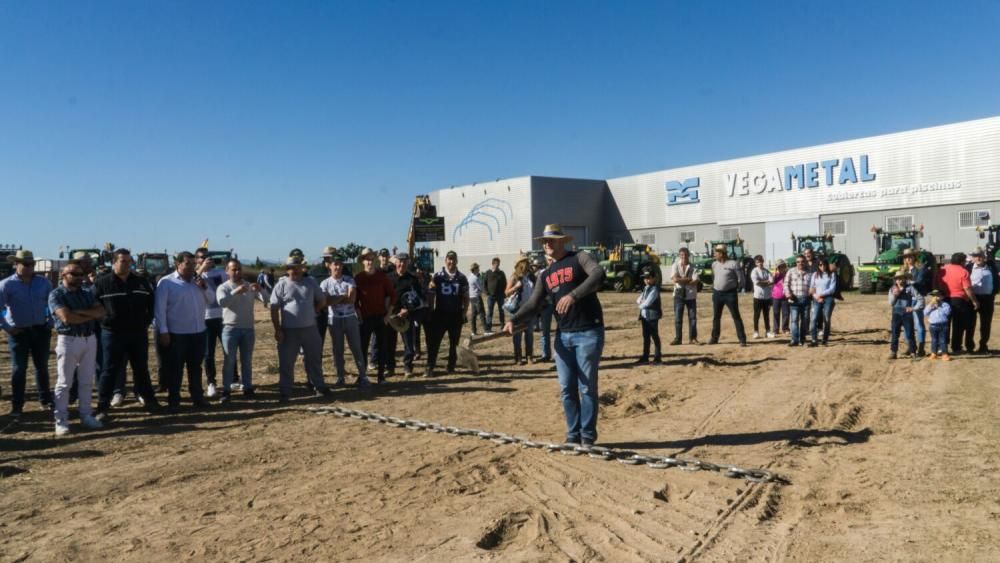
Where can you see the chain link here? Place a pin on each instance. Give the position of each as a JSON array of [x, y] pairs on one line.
[[626, 457]]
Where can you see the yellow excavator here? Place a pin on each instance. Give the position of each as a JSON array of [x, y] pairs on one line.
[[425, 226]]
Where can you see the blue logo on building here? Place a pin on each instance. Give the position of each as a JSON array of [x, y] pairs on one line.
[[680, 193]]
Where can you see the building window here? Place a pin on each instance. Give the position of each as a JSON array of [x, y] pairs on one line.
[[973, 219], [835, 228], [687, 237], [730, 233], [899, 223], [648, 238]]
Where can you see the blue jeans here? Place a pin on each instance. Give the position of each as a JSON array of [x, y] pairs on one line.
[[692, 313], [918, 326], [237, 340], [577, 357], [545, 340], [826, 309], [492, 300], [184, 351], [650, 334], [528, 337], [121, 348], [33, 341], [902, 320], [939, 338], [797, 319]]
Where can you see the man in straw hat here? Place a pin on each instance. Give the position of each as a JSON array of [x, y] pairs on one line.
[[23, 303], [572, 280], [294, 302], [727, 280], [903, 300]]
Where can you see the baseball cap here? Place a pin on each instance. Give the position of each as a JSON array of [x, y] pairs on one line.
[[452, 254]]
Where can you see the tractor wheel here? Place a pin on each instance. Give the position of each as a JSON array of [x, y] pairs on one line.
[[866, 284], [624, 283], [847, 276]]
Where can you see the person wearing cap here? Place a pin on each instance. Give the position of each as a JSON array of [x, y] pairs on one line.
[[341, 295], [903, 299], [408, 307], [955, 284], [797, 285], [539, 266], [519, 288], [385, 261], [450, 305], [214, 276], [375, 299], [937, 312], [573, 280], [294, 302], [236, 296], [728, 281], [128, 300], [685, 279], [495, 283], [180, 303], [76, 313], [920, 280], [983, 281], [650, 313], [23, 316], [477, 312]]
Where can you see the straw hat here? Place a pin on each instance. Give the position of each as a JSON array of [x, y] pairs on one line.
[[21, 256], [554, 231]]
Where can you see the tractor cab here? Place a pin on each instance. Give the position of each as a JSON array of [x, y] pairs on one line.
[[625, 262], [991, 237], [821, 245], [890, 245]]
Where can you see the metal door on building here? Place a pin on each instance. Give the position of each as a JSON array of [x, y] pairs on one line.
[[778, 235], [579, 235]]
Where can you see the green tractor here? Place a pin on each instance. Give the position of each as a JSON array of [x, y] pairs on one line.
[[623, 266], [734, 250], [822, 246], [423, 258], [153, 265], [889, 246], [991, 234]]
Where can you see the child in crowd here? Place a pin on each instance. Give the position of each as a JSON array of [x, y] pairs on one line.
[[904, 300], [650, 312], [762, 282], [937, 311], [781, 307]]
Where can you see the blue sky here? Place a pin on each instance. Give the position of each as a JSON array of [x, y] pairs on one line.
[[281, 124]]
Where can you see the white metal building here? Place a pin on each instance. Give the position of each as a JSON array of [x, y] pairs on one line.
[[945, 178]]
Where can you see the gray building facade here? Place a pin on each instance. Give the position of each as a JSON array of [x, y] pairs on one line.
[[945, 178]]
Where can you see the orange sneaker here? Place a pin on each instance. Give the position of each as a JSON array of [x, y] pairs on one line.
[[945, 358]]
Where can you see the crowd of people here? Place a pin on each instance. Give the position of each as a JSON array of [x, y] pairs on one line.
[[103, 321]]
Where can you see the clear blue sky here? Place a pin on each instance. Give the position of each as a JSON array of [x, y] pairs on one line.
[[157, 124]]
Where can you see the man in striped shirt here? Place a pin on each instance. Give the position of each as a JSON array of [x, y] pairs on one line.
[[797, 283]]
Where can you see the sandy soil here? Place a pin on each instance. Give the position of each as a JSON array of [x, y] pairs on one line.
[[884, 461]]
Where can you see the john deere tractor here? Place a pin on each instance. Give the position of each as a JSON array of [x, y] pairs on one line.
[[624, 265], [991, 236], [889, 246], [734, 250], [822, 246]]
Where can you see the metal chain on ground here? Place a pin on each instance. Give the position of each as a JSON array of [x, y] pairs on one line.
[[626, 457]]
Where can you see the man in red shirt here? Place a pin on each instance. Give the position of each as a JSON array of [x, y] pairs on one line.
[[954, 283], [375, 299]]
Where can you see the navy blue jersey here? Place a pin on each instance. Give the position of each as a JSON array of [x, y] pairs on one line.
[[449, 291]]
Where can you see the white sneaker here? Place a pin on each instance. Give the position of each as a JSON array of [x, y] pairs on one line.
[[62, 429], [770, 335], [89, 423], [236, 387], [488, 333], [211, 391], [756, 335], [117, 400], [142, 402]]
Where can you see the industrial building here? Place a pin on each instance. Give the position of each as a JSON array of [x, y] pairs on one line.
[[945, 178]]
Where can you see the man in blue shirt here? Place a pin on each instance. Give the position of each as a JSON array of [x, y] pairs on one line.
[[76, 313], [983, 278], [24, 305], [180, 303]]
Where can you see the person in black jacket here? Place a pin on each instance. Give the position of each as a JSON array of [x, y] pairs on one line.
[[495, 284], [128, 302], [410, 305]]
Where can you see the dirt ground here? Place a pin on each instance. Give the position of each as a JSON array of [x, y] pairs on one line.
[[884, 460]]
